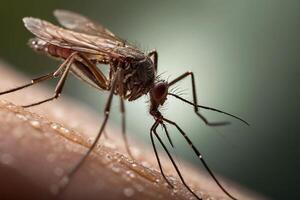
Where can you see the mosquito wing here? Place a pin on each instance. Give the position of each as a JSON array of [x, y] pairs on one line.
[[80, 23], [105, 45]]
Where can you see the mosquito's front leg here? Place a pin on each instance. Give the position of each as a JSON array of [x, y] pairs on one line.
[[199, 155], [154, 126], [153, 130], [196, 109]]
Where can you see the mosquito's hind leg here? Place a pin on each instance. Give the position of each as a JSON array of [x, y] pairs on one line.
[[196, 109], [122, 109], [64, 69], [38, 79], [33, 81]]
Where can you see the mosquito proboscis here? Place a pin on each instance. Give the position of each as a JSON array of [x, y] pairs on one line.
[[81, 45]]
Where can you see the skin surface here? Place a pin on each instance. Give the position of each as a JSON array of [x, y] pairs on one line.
[[38, 145]]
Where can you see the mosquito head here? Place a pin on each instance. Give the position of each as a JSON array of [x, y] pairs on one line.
[[158, 96], [159, 92]]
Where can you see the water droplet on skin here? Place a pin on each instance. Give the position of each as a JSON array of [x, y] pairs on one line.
[[58, 171], [139, 188], [11, 106], [130, 161], [6, 159], [64, 181], [54, 126], [134, 165], [64, 130], [22, 117], [35, 123], [172, 179], [125, 177], [128, 192], [130, 174], [51, 157], [115, 169]]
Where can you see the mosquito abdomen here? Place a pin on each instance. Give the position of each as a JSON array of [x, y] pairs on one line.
[[50, 49], [59, 52]]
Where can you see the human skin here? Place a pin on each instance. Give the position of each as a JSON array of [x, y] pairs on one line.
[[39, 145]]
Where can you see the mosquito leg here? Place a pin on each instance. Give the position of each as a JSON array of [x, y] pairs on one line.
[[173, 163], [155, 58], [122, 109], [168, 135], [196, 109], [66, 65], [98, 75], [154, 126], [36, 80], [199, 155], [83, 158], [33, 81]]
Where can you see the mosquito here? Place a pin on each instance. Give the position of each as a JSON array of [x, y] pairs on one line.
[[84, 44]]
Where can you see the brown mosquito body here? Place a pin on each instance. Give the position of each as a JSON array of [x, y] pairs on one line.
[[136, 76], [82, 45]]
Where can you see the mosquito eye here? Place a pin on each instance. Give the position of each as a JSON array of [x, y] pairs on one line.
[[159, 92]]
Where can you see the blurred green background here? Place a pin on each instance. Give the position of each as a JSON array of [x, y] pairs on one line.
[[245, 55]]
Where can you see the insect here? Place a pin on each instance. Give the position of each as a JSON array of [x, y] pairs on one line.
[[81, 45]]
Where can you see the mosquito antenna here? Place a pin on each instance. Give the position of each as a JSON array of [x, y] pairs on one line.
[[208, 108]]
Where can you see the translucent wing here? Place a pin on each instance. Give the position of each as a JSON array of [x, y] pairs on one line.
[[79, 23], [104, 45]]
